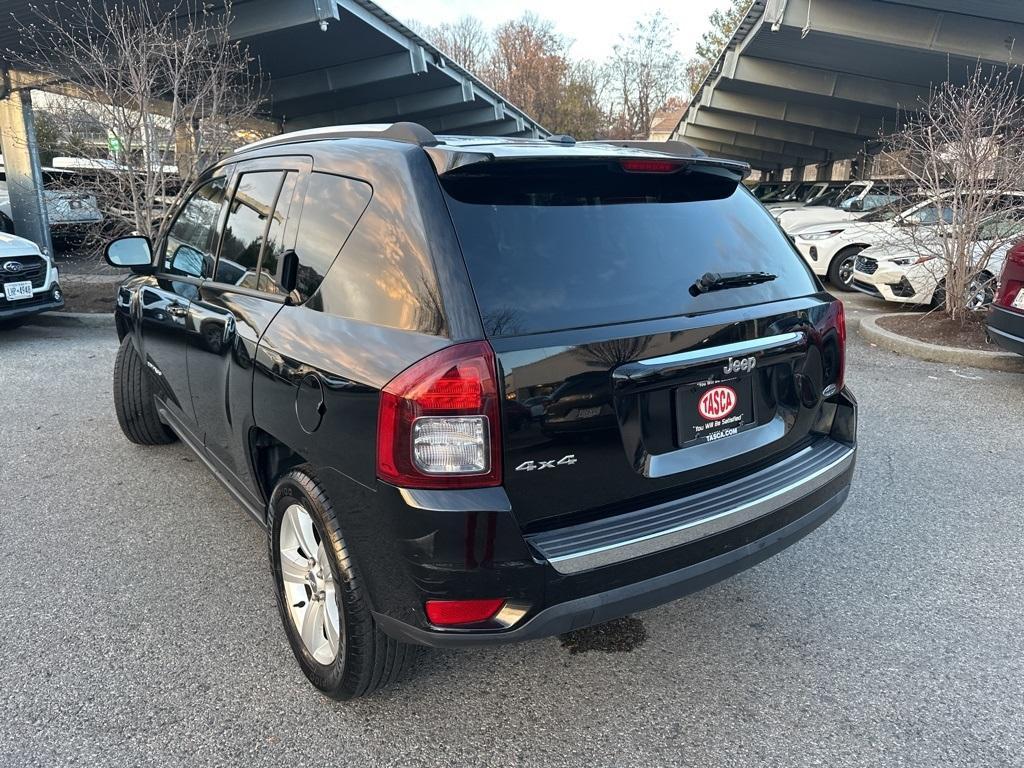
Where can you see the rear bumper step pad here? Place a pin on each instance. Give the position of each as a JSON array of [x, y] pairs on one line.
[[643, 532]]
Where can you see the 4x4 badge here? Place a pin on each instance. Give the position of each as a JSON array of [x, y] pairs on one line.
[[529, 466]]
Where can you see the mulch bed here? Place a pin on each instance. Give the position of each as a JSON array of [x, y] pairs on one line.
[[97, 297], [936, 328]]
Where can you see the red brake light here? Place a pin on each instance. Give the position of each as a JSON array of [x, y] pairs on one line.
[[841, 333], [450, 613], [833, 349], [649, 166], [439, 421]]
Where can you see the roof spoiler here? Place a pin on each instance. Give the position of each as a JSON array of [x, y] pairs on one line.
[[676, 148], [409, 133]]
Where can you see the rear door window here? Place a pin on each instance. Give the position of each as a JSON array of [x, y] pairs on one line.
[[331, 209], [552, 248], [249, 217]]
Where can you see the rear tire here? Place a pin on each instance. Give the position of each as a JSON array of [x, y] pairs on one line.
[[344, 653], [840, 269], [134, 402]]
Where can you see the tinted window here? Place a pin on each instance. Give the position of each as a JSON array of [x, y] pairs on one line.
[[270, 267], [244, 233], [549, 250], [333, 205], [190, 240]]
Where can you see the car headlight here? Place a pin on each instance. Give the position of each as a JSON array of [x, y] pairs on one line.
[[906, 260], [820, 235]]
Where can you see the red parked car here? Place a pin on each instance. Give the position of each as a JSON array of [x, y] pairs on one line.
[[1006, 320]]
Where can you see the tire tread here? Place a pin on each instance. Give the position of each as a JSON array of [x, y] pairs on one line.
[[133, 399]]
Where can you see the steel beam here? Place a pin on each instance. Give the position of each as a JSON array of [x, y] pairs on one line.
[[785, 121], [23, 169], [747, 155], [971, 37], [508, 127], [826, 83], [261, 17], [351, 75], [410, 107], [747, 141], [480, 116]]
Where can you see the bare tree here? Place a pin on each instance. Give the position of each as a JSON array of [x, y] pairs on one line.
[[963, 147], [168, 85], [529, 65], [644, 72], [466, 41]]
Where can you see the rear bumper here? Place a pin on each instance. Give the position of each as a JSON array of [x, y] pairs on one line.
[[638, 596], [1006, 328], [452, 545]]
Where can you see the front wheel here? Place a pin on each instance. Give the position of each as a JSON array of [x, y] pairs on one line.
[[133, 399], [320, 597], [840, 270]]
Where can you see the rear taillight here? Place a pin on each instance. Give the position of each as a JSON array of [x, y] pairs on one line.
[[1011, 282], [438, 424], [834, 348]]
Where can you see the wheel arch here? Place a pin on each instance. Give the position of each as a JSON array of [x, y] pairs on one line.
[[271, 459]]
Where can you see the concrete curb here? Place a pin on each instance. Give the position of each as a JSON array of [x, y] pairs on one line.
[[72, 319], [922, 350]]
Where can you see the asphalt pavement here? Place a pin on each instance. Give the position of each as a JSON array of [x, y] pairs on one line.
[[138, 626]]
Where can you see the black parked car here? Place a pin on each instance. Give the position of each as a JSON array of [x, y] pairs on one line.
[[482, 390]]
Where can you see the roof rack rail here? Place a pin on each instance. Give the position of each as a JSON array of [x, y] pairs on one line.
[[410, 133], [678, 148]]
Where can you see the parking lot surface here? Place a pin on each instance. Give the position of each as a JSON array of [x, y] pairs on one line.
[[138, 625]]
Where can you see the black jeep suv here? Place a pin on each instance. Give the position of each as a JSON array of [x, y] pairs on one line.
[[482, 390]]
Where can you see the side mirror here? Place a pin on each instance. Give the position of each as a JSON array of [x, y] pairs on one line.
[[133, 251], [187, 261], [856, 206]]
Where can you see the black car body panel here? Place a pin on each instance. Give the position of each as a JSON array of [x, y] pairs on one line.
[[598, 421], [1006, 328]]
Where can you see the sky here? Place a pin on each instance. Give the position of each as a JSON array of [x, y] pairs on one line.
[[593, 26]]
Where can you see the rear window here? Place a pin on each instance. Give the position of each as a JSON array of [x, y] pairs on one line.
[[550, 249]]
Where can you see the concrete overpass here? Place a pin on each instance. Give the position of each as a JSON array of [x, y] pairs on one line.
[[808, 82], [326, 62]]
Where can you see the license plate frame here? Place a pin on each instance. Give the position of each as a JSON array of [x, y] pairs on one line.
[[692, 428], [18, 290]]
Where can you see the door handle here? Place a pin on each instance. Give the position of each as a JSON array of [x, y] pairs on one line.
[[177, 311]]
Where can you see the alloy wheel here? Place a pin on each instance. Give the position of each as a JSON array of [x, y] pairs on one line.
[[846, 270], [309, 586]]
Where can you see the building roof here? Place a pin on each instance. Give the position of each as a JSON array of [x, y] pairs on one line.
[[809, 81], [332, 62]]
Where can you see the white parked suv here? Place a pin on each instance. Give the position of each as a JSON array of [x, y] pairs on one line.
[[831, 248], [28, 279], [914, 272]]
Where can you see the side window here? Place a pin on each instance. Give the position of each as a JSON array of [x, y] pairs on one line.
[[190, 240], [332, 207], [249, 216], [270, 267]]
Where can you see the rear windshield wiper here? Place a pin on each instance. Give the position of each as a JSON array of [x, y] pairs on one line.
[[717, 281]]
